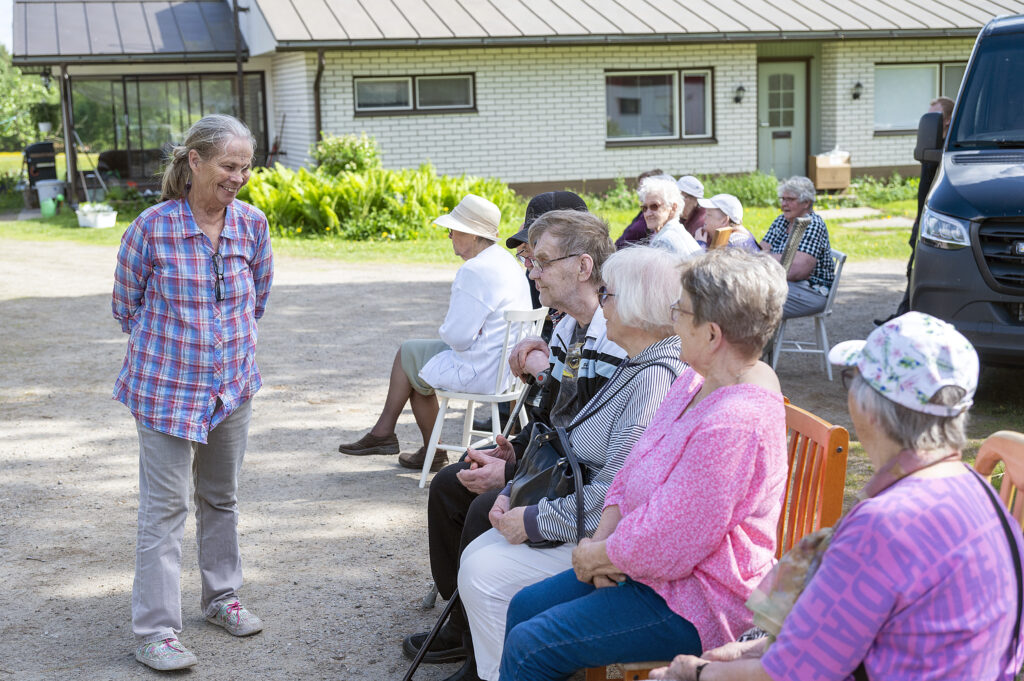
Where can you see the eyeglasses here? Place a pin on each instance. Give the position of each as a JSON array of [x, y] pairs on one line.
[[846, 376], [603, 294], [539, 265], [218, 269], [525, 260], [676, 311], [653, 207], [788, 199]]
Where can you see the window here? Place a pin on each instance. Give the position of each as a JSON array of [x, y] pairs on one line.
[[414, 94], [903, 91], [658, 105]]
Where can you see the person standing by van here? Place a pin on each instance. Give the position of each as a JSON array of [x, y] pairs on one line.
[[943, 105]]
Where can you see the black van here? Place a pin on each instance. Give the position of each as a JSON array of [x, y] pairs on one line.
[[969, 262]]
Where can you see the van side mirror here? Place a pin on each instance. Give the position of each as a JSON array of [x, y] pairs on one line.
[[929, 138]]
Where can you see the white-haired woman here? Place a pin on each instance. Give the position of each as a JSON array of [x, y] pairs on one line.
[[918, 580], [640, 285], [812, 272], [192, 278], [725, 210], [689, 524], [662, 203]]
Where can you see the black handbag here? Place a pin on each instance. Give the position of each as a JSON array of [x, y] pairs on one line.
[[550, 468]]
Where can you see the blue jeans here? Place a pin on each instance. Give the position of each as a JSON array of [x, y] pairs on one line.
[[560, 625]]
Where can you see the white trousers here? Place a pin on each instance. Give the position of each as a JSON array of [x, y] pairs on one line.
[[491, 572]]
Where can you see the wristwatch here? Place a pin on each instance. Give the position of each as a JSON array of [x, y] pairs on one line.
[[700, 668]]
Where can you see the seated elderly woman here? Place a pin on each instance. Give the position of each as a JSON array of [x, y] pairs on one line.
[[689, 524], [725, 211], [488, 284], [640, 285], [662, 204], [918, 579], [812, 272]]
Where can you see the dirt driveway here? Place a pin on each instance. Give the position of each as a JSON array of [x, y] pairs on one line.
[[334, 547]]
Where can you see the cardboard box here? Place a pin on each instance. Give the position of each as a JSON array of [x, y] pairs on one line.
[[827, 173]]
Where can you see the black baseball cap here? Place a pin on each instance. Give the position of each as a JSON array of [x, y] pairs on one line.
[[540, 204]]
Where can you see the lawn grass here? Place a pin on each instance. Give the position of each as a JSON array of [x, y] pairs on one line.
[[11, 160]]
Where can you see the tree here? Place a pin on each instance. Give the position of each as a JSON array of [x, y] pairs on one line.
[[20, 97]]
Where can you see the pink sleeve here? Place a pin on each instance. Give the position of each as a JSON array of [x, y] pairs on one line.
[[688, 515]]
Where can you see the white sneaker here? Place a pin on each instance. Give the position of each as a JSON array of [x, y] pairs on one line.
[[165, 655], [238, 621]]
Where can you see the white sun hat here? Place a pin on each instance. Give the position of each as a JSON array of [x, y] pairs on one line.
[[688, 184], [909, 358], [474, 215], [727, 203]]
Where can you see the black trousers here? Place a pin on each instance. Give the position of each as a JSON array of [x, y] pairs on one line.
[[455, 517]]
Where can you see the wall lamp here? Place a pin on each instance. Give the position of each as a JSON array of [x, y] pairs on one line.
[[738, 95], [857, 90]]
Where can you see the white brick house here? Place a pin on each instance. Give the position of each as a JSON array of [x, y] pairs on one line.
[[566, 92]]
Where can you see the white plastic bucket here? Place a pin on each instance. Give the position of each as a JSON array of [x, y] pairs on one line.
[[49, 189]]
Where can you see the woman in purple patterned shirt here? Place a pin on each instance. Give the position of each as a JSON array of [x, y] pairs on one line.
[[918, 579]]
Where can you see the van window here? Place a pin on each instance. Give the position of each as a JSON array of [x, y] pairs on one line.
[[990, 112]]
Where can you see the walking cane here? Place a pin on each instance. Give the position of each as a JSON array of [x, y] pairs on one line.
[[432, 635]]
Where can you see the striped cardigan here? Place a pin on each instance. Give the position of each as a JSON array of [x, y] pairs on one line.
[[603, 441]]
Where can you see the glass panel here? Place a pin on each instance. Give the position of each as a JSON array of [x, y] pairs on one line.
[[787, 100], [695, 106], [774, 119], [651, 114], [787, 81], [444, 92], [787, 118], [990, 110], [218, 95], [774, 100], [392, 93], [774, 81], [952, 76], [95, 114], [902, 94]]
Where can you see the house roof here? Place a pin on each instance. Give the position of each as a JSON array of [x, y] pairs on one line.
[[104, 31], [305, 24]]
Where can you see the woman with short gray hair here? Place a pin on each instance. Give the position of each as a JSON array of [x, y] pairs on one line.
[[812, 272], [917, 581], [662, 204], [192, 279], [644, 280]]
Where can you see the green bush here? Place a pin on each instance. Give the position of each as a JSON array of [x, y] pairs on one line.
[[373, 204], [870, 191], [129, 201], [346, 154], [752, 189]]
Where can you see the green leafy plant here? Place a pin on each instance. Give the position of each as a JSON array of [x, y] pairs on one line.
[[752, 189], [346, 154], [373, 204], [870, 191]]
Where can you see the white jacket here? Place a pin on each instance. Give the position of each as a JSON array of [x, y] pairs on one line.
[[474, 327]]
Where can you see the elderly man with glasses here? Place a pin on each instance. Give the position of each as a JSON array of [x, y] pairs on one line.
[[811, 275], [565, 267]]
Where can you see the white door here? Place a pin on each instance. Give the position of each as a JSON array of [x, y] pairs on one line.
[[782, 118]]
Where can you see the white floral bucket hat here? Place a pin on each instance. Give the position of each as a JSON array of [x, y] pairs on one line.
[[909, 358]]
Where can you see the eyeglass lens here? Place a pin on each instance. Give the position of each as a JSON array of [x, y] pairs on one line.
[[218, 269]]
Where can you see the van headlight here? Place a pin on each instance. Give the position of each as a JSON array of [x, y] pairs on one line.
[[944, 232]]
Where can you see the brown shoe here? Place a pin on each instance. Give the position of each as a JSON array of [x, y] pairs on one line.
[[371, 444], [415, 459]]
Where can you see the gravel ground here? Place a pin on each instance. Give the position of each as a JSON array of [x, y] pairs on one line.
[[334, 547]]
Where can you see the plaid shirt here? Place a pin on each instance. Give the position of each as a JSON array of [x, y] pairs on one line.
[[815, 244], [186, 350]]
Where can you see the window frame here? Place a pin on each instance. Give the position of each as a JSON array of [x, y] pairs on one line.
[[679, 136], [939, 81], [414, 108]]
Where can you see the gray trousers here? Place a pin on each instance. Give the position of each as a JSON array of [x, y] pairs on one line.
[[165, 463], [802, 300]]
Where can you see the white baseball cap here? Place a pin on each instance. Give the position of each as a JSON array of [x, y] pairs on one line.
[[688, 184], [727, 203], [909, 358], [474, 215]]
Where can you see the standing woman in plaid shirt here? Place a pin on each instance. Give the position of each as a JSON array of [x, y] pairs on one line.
[[192, 279]]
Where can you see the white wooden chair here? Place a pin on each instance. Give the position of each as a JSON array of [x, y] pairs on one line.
[[819, 344], [518, 325]]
